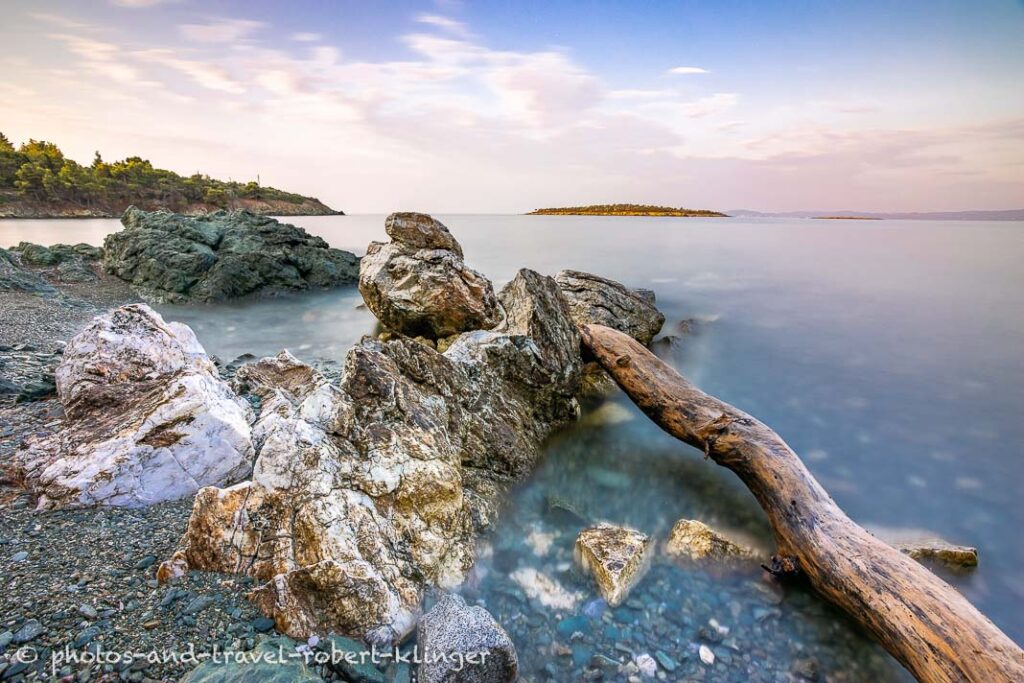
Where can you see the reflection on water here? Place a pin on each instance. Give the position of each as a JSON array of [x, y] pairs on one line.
[[889, 354]]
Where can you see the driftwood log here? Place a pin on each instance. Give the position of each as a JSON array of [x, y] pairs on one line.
[[920, 619]]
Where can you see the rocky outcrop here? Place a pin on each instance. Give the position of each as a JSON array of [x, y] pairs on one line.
[[696, 541], [925, 545], [15, 278], [148, 419], [597, 300], [219, 256], [418, 284], [66, 263], [464, 644], [368, 490], [615, 556]]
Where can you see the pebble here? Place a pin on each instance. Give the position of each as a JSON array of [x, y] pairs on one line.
[[648, 667], [706, 655], [198, 604], [19, 556], [667, 663], [262, 624], [87, 611]]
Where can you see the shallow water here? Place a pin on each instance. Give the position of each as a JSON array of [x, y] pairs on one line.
[[890, 354]]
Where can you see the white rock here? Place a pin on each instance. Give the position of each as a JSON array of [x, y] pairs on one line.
[[545, 590], [148, 418], [706, 655], [648, 667]]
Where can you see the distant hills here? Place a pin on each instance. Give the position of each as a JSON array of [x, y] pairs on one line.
[[38, 181], [1007, 215], [626, 210]]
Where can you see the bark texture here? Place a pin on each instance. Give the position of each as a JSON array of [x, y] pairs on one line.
[[920, 619]]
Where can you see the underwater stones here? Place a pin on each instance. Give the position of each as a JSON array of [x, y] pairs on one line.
[[615, 556], [221, 255], [464, 644], [696, 541], [418, 284], [597, 300], [544, 589], [369, 490], [148, 418]]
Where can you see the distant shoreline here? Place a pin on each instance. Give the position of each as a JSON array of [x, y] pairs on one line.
[[628, 210]]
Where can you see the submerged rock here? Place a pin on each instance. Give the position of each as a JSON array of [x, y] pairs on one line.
[[617, 557], [368, 490], [275, 660], [921, 544], [220, 256], [148, 419], [597, 300], [463, 644], [418, 284], [693, 540]]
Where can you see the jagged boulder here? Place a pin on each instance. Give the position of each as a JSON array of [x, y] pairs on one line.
[[597, 300], [419, 285], [616, 556], [15, 278], [464, 644], [148, 418], [219, 256], [369, 490]]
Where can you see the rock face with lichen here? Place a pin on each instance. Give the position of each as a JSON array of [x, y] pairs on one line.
[[615, 556], [148, 418], [168, 257], [418, 284], [367, 491], [696, 541]]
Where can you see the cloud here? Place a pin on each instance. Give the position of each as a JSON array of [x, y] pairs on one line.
[[140, 3], [205, 74], [221, 30], [687, 70], [303, 37], [448, 24]]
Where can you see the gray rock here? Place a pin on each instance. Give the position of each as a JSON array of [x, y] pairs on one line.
[[15, 278], [418, 284], [198, 604], [87, 611], [264, 664], [219, 256], [351, 659], [597, 300], [19, 556], [464, 644], [29, 630]]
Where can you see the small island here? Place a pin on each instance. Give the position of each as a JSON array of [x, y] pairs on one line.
[[847, 218], [38, 181], [627, 210]]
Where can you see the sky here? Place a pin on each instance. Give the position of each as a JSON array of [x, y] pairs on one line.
[[497, 107]]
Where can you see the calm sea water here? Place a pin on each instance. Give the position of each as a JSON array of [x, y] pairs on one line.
[[890, 354]]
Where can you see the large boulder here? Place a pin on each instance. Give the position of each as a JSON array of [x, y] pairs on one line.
[[464, 644], [148, 418], [219, 256], [597, 300], [368, 490], [418, 284]]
